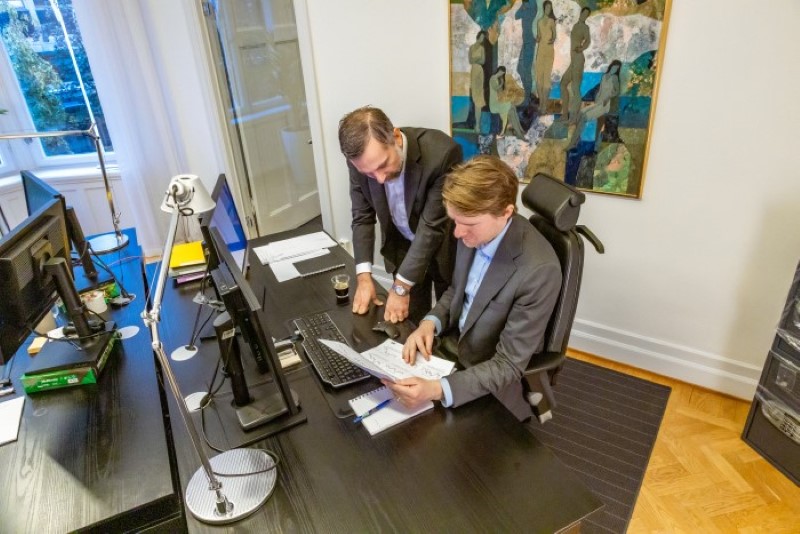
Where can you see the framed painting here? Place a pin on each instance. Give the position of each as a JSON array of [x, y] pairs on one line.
[[563, 87]]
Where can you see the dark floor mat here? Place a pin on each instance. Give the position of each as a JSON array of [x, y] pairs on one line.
[[604, 428]]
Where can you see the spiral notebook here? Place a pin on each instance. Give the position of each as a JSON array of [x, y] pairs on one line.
[[387, 417]]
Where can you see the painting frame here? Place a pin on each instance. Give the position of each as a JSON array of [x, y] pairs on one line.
[[503, 55]]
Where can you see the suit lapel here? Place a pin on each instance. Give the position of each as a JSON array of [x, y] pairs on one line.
[[499, 273], [464, 256], [381, 204], [413, 174]]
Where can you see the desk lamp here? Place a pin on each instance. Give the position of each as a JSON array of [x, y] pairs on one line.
[[104, 243], [206, 497]]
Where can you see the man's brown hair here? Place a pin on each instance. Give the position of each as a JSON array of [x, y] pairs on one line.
[[357, 127], [481, 185]]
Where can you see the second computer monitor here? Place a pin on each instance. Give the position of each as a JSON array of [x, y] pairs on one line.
[[225, 218], [27, 292]]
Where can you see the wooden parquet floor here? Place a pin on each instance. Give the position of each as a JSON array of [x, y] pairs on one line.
[[702, 476]]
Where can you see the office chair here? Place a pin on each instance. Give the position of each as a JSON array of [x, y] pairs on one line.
[[556, 207]]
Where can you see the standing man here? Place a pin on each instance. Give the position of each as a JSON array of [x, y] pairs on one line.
[[493, 317], [396, 176]]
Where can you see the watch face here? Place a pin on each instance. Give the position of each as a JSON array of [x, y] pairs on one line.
[[400, 290]]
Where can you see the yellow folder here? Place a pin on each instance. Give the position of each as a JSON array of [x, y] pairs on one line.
[[186, 254]]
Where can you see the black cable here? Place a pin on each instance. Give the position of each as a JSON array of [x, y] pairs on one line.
[[67, 339], [105, 267], [195, 330]]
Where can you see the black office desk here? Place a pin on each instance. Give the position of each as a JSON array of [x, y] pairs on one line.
[[470, 469], [94, 457]]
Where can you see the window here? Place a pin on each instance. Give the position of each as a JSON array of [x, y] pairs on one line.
[[47, 84]]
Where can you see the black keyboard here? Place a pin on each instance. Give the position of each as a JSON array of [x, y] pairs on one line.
[[332, 368]]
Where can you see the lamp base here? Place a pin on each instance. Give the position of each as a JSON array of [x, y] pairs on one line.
[[103, 244], [244, 494]]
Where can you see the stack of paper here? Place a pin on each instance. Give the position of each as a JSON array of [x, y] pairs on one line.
[[282, 255], [187, 258]]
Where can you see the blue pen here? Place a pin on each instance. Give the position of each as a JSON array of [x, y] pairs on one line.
[[372, 411]]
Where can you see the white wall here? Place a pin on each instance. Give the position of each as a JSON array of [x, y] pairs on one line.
[[696, 273]]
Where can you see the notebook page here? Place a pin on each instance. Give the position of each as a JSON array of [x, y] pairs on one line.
[[391, 415]]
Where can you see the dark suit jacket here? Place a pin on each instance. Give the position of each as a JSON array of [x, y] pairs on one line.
[[429, 157], [507, 319]]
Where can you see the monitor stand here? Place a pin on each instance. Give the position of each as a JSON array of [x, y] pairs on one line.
[[263, 407]]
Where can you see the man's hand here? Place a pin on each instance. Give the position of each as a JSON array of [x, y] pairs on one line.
[[413, 391], [397, 306], [365, 294], [420, 340]]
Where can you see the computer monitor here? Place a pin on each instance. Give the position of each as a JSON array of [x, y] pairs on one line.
[[253, 406], [225, 218], [34, 271], [37, 193]]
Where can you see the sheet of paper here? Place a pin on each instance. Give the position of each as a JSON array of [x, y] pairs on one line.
[[386, 361], [356, 358], [390, 353], [285, 270], [10, 416], [292, 249]]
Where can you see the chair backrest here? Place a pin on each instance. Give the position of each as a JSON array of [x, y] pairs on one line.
[[556, 207]]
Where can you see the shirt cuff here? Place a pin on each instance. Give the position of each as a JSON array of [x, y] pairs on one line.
[[403, 279], [447, 393], [365, 267], [437, 324]]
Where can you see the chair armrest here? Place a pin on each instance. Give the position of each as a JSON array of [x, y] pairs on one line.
[[544, 361]]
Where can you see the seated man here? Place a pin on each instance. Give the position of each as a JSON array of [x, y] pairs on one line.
[[495, 312]]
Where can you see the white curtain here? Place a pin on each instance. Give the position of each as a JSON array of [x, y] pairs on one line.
[[124, 66]]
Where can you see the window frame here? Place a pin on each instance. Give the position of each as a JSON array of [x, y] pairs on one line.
[[19, 154]]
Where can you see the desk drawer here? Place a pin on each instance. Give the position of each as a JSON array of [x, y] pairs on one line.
[[773, 429], [782, 379]]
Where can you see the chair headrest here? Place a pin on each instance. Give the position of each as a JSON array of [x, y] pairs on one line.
[[554, 200]]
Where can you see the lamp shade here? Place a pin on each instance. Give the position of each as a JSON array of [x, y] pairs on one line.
[[186, 192]]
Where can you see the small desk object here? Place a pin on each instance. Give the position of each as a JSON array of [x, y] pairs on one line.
[[470, 469]]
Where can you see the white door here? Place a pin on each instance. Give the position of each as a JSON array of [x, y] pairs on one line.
[[258, 61]]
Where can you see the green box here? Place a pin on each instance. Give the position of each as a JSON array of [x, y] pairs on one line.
[[46, 380]]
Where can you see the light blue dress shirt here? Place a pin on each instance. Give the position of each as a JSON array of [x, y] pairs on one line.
[[480, 264], [395, 197]]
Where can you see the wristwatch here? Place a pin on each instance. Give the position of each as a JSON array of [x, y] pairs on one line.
[[399, 290]]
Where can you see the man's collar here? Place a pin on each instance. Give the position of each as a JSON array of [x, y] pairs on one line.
[[490, 248]]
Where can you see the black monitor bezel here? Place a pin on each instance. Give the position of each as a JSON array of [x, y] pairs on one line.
[[54, 208], [247, 314]]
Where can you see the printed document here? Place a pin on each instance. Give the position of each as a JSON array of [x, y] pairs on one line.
[[386, 361]]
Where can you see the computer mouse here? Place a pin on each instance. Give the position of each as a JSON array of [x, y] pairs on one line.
[[390, 329]]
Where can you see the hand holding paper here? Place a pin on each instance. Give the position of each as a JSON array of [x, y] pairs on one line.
[[386, 362]]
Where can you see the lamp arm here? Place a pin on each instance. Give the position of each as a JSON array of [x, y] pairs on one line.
[[98, 146], [151, 319]]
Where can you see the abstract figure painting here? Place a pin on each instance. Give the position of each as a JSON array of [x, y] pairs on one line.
[[563, 87]]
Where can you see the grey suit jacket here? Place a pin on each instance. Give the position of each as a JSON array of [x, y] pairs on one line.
[[429, 157], [507, 319]]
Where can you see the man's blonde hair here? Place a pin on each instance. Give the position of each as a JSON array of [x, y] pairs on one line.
[[481, 185]]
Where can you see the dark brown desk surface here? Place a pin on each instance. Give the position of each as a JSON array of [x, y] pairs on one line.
[[469, 469], [93, 456]]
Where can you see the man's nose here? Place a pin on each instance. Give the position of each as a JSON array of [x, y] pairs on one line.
[[458, 232]]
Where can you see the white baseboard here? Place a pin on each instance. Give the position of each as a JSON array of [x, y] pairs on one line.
[[682, 363], [689, 365]]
